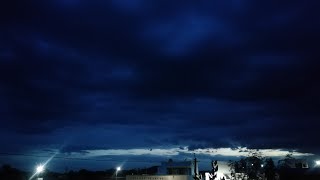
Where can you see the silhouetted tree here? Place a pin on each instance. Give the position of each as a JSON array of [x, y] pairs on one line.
[[9, 173], [250, 166], [270, 169], [232, 166], [286, 162]]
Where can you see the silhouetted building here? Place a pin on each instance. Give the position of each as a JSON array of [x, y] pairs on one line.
[[293, 163], [177, 168], [171, 170]]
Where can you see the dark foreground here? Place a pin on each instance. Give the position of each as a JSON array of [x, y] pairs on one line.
[[9, 173], [300, 174]]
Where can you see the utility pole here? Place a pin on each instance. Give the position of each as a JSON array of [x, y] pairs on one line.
[[195, 169]]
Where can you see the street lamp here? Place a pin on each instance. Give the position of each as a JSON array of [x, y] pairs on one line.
[[39, 170], [317, 163], [118, 169]]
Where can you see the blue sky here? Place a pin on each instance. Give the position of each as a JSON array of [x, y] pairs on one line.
[[136, 82]]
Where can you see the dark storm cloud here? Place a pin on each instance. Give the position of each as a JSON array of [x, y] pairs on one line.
[[36, 87], [240, 74]]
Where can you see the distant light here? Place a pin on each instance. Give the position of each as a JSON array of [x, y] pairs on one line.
[[262, 165], [40, 168], [251, 164], [318, 162], [118, 168]]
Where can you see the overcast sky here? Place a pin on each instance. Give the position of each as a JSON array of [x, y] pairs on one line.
[[135, 82]]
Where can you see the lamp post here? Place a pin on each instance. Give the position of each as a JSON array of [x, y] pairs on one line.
[[39, 170], [118, 169]]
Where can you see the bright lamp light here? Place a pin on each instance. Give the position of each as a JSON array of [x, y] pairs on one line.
[[118, 168], [40, 168], [318, 162]]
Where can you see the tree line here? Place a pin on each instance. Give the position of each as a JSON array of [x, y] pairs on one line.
[[258, 167]]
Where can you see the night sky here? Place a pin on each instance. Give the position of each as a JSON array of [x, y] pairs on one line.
[[135, 82]]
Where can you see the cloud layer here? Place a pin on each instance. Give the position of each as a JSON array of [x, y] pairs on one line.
[[140, 74]]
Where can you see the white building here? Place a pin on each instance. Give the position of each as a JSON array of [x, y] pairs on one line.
[[159, 177], [180, 170]]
